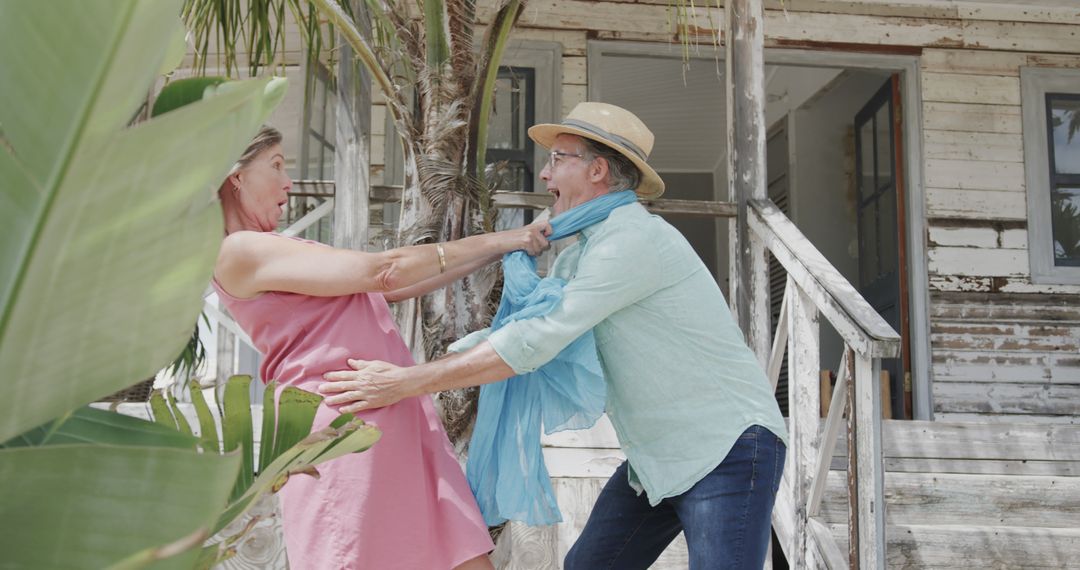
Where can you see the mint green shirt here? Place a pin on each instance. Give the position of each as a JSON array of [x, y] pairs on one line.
[[682, 384]]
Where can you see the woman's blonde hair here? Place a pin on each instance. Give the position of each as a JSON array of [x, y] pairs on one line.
[[266, 138]]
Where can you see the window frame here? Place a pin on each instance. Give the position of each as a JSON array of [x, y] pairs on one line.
[[1035, 85], [545, 58]]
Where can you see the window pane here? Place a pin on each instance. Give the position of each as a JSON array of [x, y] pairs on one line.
[[868, 247], [510, 176], [883, 129], [866, 155], [887, 232], [1065, 220], [507, 127], [1065, 118]]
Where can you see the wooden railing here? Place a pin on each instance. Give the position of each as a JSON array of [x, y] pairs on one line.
[[815, 289]]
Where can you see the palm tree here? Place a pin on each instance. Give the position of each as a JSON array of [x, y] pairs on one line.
[[439, 92]]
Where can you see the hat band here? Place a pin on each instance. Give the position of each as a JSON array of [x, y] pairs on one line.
[[604, 134]]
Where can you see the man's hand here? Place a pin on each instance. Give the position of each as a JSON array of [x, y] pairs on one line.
[[370, 384]]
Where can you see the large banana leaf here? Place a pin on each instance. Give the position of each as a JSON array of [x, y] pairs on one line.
[[89, 426], [108, 234], [90, 506], [110, 488]]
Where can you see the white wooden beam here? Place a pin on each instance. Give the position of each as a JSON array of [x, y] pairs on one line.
[[309, 219], [745, 89], [804, 404], [837, 299], [352, 146], [212, 311], [780, 338], [871, 469], [829, 437]]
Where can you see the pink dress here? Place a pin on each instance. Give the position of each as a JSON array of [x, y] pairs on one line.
[[404, 503]]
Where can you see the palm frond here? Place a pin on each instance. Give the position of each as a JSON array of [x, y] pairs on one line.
[[436, 42], [460, 17], [484, 94]]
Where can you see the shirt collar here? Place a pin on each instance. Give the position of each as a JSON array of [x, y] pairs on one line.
[[591, 230]]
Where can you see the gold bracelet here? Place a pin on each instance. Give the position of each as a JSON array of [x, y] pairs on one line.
[[442, 257]]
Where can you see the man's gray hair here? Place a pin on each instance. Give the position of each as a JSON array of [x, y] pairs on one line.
[[622, 174]]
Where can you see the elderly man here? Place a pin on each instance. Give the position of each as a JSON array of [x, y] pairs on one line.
[[693, 411]]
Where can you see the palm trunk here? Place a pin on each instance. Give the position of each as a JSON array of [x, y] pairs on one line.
[[439, 203]]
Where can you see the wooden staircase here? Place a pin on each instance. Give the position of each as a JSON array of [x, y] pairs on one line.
[[919, 494], [965, 495]]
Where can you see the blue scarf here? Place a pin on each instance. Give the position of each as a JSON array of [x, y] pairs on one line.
[[506, 469]]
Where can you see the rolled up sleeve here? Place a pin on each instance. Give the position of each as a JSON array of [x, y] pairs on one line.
[[616, 270]]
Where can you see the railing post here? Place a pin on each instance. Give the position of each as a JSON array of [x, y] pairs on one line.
[[804, 403], [869, 484]]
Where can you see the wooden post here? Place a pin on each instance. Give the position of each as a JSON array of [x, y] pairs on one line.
[[352, 146], [804, 365], [853, 464], [871, 468], [745, 77]]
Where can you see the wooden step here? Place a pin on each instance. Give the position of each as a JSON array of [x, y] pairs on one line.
[[967, 499], [985, 547]]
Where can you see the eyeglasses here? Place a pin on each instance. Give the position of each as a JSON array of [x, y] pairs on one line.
[[553, 158]]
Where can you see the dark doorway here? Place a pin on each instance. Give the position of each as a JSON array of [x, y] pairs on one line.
[[881, 231]]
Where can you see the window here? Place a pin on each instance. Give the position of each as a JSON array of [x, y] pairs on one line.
[[510, 150], [315, 159], [1051, 111], [528, 92]]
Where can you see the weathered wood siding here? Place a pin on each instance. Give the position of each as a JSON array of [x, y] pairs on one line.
[[999, 355], [1002, 347]]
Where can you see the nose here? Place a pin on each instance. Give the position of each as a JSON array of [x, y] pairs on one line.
[[545, 173]]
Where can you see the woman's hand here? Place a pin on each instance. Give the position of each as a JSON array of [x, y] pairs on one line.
[[531, 238]]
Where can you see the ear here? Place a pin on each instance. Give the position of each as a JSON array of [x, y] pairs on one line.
[[598, 170], [234, 178]]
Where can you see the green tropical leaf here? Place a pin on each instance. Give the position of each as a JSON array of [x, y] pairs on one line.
[[208, 434], [182, 92], [300, 459], [296, 413], [89, 425], [236, 429], [181, 420], [163, 414], [287, 448], [269, 425], [108, 234], [91, 506], [437, 47]]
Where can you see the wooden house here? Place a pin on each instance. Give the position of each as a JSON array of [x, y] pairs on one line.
[[905, 177]]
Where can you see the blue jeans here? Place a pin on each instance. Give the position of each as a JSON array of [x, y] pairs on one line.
[[726, 517]]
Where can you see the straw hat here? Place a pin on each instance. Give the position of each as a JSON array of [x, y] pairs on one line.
[[613, 126]]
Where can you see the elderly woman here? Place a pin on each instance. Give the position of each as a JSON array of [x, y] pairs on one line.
[[308, 307]]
